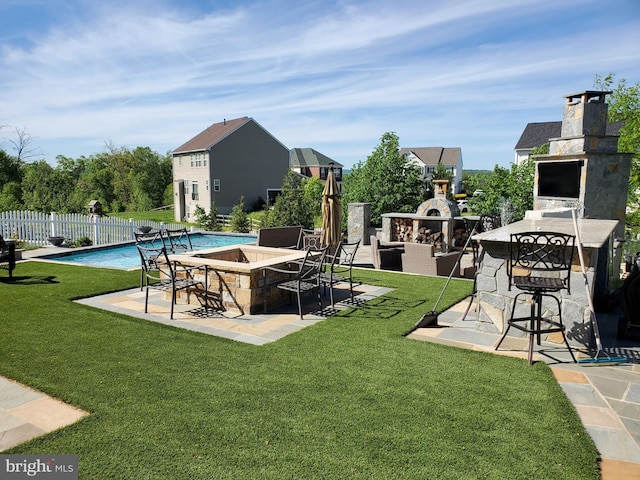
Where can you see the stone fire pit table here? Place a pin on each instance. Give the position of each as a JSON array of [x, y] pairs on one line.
[[236, 274], [496, 300]]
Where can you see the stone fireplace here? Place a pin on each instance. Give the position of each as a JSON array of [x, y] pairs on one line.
[[583, 167], [433, 221]]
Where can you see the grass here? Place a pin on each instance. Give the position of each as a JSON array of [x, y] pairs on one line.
[[349, 397]]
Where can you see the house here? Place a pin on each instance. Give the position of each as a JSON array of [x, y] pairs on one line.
[[231, 159], [537, 134], [428, 158], [311, 163]]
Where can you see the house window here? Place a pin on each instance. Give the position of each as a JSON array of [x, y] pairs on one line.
[[180, 161], [206, 185], [216, 184], [194, 191], [186, 187]]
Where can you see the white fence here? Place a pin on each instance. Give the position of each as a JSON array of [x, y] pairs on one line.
[[35, 227]]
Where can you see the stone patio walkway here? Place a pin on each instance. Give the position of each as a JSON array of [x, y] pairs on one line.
[[607, 398]]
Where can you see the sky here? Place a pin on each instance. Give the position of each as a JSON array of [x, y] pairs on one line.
[[78, 75]]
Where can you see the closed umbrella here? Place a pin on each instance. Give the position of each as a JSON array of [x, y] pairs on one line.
[[331, 212]]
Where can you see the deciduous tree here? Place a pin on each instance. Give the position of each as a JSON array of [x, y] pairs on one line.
[[386, 180]]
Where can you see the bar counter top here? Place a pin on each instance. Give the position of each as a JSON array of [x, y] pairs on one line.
[[593, 233]]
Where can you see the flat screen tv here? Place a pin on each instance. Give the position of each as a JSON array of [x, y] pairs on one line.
[[559, 179]]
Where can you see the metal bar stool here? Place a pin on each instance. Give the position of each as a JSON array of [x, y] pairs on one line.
[[539, 265]]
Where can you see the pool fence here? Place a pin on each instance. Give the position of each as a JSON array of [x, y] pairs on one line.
[[36, 228]]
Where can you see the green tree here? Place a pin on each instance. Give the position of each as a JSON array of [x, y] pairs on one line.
[[313, 188], [240, 221], [208, 221], [624, 106], [291, 207], [508, 190], [10, 168], [386, 180], [11, 197]]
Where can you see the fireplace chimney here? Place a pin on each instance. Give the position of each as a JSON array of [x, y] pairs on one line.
[[583, 166]]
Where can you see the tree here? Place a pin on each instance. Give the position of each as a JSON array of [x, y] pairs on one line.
[[313, 188], [208, 221], [240, 221], [23, 145], [386, 180], [10, 168], [509, 190], [624, 106], [290, 207]]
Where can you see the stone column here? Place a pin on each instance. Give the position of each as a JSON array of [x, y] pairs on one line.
[[358, 222]]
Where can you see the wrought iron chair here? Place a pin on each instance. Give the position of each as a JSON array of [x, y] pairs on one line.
[[338, 267], [8, 255], [302, 278], [177, 240], [149, 240], [166, 276], [309, 239], [539, 265]]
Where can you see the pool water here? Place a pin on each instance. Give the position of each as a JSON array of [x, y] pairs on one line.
[[127, 256]]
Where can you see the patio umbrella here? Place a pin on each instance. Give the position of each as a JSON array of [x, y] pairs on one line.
[[331, 212]]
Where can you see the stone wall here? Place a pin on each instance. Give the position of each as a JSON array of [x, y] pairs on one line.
[[496, 300]]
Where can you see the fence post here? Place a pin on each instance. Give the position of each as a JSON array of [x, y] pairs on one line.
[[96, 237], [53, 224], [131, 229]]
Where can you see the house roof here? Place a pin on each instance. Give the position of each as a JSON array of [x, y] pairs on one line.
[[536, 134], [435, 155], [308, 157], [212, 135]]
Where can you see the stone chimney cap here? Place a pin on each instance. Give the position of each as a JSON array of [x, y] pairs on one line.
[[586, 96]]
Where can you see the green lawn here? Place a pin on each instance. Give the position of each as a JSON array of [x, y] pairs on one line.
[[349, 397]]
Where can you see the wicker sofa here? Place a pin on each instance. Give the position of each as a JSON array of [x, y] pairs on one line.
[[384, 256], [420, 258]]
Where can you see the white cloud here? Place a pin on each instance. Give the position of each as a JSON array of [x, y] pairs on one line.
[[335, 76]]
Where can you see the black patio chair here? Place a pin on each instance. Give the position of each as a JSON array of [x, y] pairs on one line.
[[539, 265], [338, 267], [149, 240], [171, 277], [309, 239], [7, 255], [177, 240], [302, 278]]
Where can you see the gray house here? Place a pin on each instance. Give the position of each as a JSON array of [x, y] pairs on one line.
[[231, 159]]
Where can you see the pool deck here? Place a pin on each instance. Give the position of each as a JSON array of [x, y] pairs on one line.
[[607, 398]]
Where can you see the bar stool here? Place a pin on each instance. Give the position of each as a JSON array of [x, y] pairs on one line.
[[539, 265]]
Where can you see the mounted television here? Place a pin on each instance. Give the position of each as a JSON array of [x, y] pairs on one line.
[[559, 179]]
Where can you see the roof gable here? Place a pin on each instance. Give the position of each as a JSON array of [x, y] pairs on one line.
[[212, 135], [433, 155], [308, 157]]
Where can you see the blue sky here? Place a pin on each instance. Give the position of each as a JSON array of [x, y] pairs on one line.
[[331, 75]]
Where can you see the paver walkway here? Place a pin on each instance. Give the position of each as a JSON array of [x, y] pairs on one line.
[[607, 398]]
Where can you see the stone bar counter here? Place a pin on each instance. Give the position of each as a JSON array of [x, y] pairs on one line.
[[496, 301]]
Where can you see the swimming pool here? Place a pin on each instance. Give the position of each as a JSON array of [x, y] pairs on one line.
[[126, 256]]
